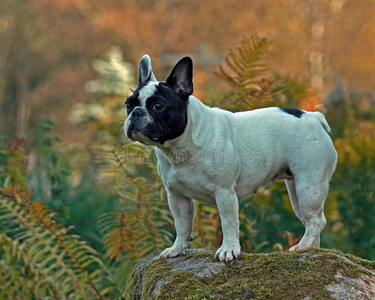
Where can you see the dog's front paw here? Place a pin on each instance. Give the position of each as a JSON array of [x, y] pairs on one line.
[[228, 252], [172, 252]]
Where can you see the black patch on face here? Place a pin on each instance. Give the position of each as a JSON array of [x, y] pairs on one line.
[[169, 122], [293, 111], [133, 101]]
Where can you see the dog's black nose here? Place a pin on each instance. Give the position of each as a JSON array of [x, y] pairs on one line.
[[138, 112]]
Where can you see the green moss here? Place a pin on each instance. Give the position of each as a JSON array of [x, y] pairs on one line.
[[279, 275], [201, 254], [363, 262], [187, 284], [155, 270]]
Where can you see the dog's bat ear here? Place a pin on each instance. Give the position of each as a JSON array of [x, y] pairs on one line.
[[181, 77], [145, 70]]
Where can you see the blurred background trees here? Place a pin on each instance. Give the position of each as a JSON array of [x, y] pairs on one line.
[[47, 46], [66, 69]]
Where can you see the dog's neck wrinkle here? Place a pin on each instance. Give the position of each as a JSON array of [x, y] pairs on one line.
[[192, 137]]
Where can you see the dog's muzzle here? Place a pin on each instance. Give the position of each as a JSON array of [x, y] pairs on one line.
[[135, 122]]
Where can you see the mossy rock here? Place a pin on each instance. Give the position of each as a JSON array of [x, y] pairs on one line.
[[308, 274]]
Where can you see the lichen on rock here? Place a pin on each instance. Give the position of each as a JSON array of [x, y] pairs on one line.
[[307, 274]]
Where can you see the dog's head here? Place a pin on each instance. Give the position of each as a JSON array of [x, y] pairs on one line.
[[157, 110]]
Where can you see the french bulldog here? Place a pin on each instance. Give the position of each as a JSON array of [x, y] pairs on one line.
[[219, 157]]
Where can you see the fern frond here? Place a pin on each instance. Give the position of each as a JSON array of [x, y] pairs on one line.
[[15, 163], [246, 63], [266, 94], [144, 223], [247, 67], [206, 226], [19, 271], [122, 237], [49, 261]]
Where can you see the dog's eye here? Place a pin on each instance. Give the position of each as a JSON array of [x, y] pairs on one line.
[[127, 105], [157, 106]]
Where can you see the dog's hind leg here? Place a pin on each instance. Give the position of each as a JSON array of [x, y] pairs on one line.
[[311, 194], [294, 199]]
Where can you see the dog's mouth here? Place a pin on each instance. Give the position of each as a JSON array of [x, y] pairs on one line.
[[132, 128], [134, 133]]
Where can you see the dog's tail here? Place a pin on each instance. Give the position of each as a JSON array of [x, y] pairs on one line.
[[322, 120]]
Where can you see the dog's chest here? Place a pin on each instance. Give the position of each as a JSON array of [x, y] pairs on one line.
[[187, 180]]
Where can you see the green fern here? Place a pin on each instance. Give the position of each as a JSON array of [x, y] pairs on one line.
[[40, 259], [247, 67]]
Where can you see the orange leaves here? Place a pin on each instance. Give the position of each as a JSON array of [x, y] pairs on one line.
[[123, 237], [311, 103], [16, 192]]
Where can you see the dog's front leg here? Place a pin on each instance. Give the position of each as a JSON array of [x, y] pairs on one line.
[[227, 204], [182, 209]]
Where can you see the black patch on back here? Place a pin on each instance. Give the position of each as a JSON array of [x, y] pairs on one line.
[[293, 111]]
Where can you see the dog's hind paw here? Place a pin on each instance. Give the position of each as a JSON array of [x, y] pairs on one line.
[[294, 248], [172, 252], [297, 247]]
